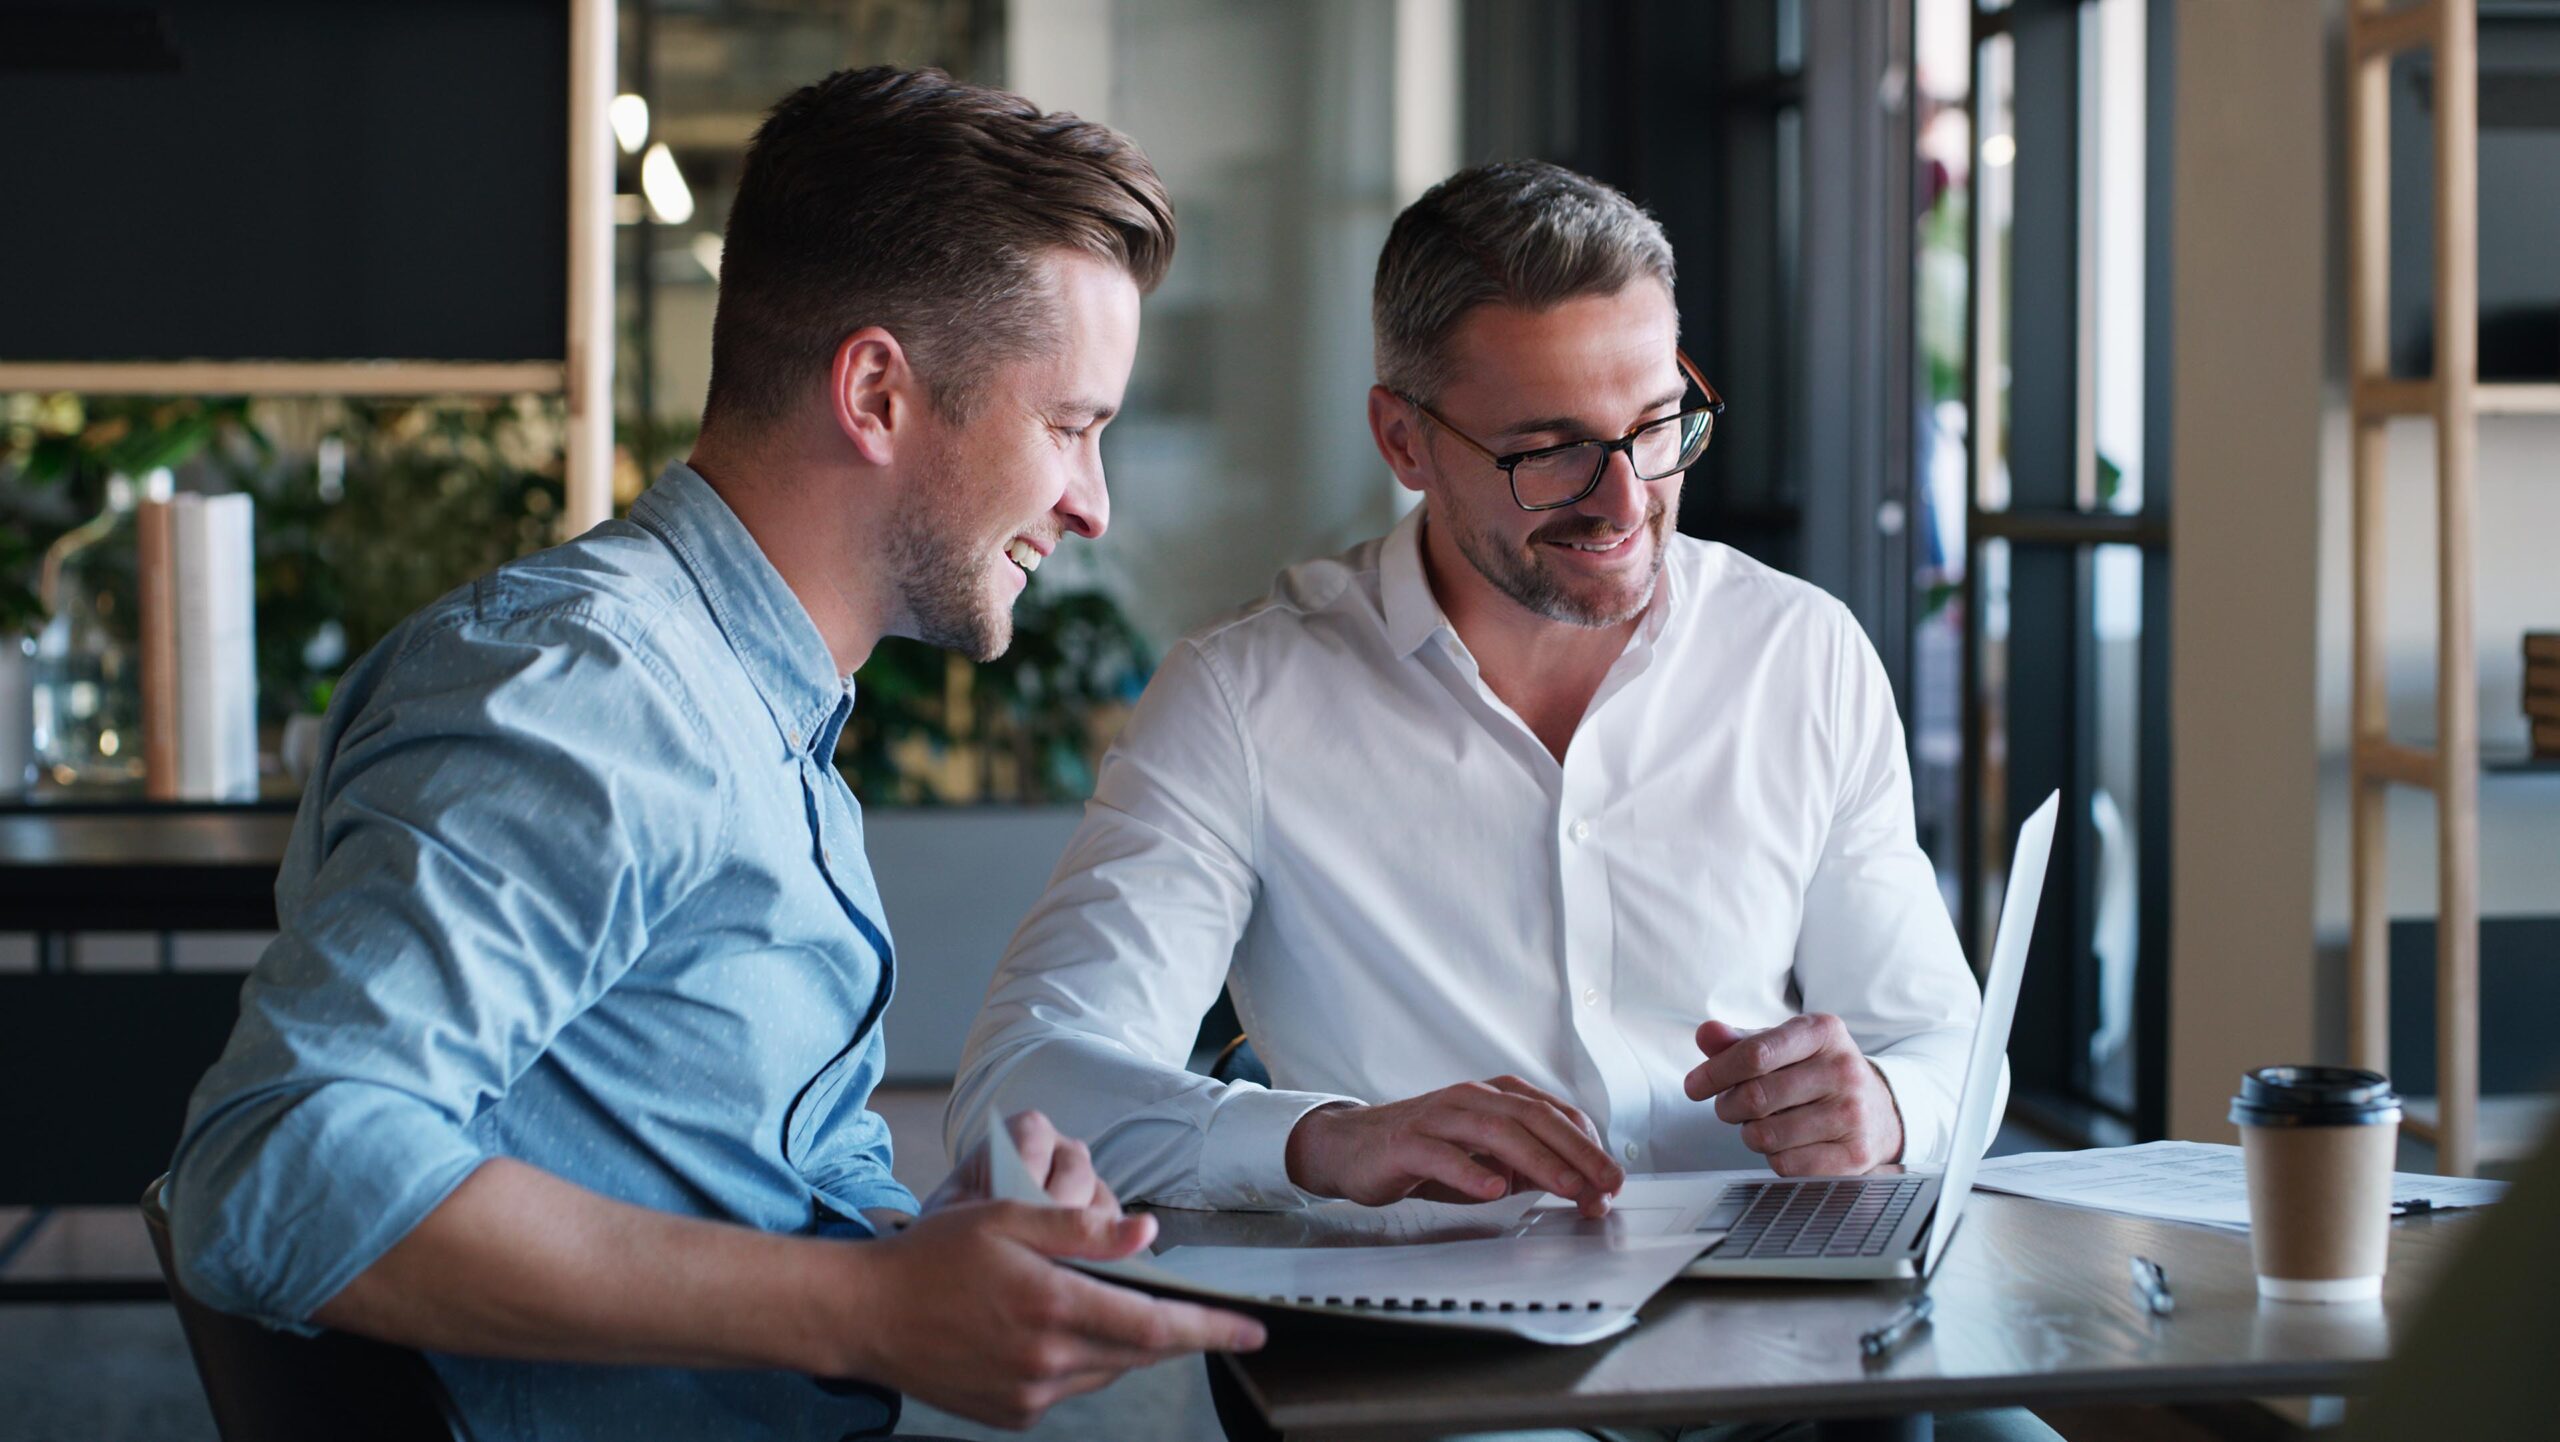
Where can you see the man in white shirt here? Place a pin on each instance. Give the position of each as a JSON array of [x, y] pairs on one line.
[[1536, 842]]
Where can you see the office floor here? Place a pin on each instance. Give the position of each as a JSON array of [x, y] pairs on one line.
[[120, 1372]]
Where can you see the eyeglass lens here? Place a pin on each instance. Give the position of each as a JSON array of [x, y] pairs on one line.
[[1564, 475]]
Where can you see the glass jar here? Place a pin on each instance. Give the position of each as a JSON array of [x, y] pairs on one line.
[[88, 662]]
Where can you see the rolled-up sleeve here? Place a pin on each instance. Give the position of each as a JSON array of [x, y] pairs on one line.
[[1876, 947], [1093, 1013], [501, 809]]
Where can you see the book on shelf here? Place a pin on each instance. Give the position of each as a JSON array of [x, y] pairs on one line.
[[2546, 738], [2542, 648], [199, 648], [2542, 706]]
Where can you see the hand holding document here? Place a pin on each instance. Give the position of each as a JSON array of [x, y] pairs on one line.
[[1561, 1290]]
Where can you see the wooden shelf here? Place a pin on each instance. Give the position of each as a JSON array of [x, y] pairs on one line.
[[2390, 761], [2510, 1127], [2389, 32], [286, 378], [2396, 397]]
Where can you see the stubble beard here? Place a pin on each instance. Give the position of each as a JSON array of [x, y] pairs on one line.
[[944, 579], [1525, 577]]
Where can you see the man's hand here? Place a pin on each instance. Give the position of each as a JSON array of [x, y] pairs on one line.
[[1063, 1165], [967, 1311], [1805, 1096], [1473, 1142]]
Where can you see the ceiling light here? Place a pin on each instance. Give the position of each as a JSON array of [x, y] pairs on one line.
[[629, 115], [1997, 150], [670, 199]]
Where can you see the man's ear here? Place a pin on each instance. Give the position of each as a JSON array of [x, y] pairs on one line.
[[1396, 425], [871, 393]]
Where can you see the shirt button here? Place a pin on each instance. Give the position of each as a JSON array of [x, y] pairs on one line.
[[1631, 1151], [1581, 831], [1591, 996]]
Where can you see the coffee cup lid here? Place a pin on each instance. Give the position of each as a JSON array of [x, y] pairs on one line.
[[2314, 1096]]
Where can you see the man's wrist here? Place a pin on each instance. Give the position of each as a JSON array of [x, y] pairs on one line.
[[841, 1301], [1900, 1141], [1301, 1154]]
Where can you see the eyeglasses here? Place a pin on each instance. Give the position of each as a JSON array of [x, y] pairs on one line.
[[1553, 477]]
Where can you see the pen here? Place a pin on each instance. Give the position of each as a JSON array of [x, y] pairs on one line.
[[1881, 1340], [2151, 1287], [2412, 1206]]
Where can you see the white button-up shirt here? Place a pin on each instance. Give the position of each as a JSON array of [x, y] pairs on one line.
[[1320, 804]]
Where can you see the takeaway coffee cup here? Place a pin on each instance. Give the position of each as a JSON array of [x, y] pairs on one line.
[[2318, 1143]]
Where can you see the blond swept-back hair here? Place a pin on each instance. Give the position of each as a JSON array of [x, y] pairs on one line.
[[908, 200]]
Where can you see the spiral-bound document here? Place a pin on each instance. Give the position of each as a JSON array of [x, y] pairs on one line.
[[1561, 1287]]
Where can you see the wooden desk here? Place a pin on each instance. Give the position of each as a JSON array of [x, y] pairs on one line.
[[95, 1067], [204, 869], [2035, 1308]]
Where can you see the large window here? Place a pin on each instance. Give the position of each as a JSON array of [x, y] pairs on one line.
[[2041, 584]]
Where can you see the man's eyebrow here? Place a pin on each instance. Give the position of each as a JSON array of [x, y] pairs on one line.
[[1569, 425], [1095, 412]]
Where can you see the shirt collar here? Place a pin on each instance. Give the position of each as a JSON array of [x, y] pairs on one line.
[[1413, 614], [1404, 592], [765, 624]]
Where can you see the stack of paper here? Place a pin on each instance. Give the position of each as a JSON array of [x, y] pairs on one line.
[[2198, 1182], [1562, 1289], [199, 648]]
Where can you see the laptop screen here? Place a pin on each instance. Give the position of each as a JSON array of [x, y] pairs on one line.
[[1982, 1072]]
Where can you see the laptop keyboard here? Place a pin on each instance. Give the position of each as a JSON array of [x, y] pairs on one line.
[[1855, 1218]]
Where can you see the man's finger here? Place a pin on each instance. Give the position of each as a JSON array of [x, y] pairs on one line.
[[1506, 1141], [1576, 1145], [1071, 1180], [1789, 1086], [1824, 1159], [1035, 1139], [1079, 1232], [1428, 1158], [1118, 1317], [1829, 1120], [1715, 1036], [1762, 1052], [1571, 1113]]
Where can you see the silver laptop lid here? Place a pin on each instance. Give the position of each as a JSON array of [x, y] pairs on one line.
[[1991, 1033]]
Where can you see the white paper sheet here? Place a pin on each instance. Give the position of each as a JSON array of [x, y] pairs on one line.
[[2199, 1182], [1562, 1289]]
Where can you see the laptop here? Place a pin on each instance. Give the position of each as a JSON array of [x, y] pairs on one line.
[[1880, 1226]]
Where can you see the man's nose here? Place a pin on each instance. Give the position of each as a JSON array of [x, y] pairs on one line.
[[1086, 506], [1620, 497]]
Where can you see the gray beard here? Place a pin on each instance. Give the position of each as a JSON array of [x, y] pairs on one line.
[[1526, 580]]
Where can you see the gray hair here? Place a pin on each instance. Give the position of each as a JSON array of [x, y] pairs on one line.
[[1517, 232]]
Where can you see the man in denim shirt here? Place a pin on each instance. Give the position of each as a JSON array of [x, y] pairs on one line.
[[558, 1067]]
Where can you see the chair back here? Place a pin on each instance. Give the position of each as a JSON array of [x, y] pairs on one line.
[[271, 1386]]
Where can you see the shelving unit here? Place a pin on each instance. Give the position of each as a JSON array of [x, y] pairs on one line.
[[2455, 400], [584, 377]]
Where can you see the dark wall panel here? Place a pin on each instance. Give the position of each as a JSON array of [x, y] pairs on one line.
[[284, 179]]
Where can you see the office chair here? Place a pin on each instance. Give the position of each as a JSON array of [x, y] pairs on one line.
[[270, 1386]]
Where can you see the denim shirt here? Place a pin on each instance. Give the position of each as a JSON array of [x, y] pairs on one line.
[[574, 881]]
